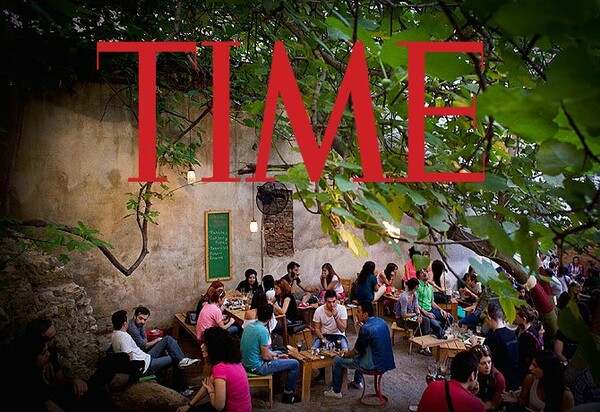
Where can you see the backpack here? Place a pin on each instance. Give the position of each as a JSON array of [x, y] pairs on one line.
[[538, 343]]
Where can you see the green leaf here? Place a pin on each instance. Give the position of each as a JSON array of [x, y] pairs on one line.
[[345, 185], [508, 307], [421, 262], [487, 226], [554, 157], [436, 216]]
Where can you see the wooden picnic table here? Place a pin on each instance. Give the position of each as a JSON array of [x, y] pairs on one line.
[[449, 349], [308, 362]]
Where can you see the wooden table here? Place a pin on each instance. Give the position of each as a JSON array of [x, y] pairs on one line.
[[452, 307], [428, 341], [308, 362], [449, 349]]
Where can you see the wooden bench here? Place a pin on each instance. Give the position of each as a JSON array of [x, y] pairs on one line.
[[262, 381], [406, 332], [180, 322]]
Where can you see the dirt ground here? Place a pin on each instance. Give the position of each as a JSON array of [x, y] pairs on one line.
[[403, 386]]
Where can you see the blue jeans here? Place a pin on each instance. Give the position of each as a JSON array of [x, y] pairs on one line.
[[359, 364], [471, 320], [291, 366], [332, 338], [160, 362], [444, 322]]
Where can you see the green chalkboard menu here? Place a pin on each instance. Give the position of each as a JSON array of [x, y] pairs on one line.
[[217, 238]]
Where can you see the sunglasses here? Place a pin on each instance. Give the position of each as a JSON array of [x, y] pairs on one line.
[[480, 349], [222, 294]]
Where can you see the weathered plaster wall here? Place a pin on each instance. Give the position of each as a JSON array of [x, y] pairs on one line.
[[75, 155]]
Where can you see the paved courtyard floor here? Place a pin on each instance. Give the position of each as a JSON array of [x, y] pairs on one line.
[[403, 386]]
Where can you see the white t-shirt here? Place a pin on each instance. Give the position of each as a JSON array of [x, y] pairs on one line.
[[328, 325], [338, 286], [123, 342]]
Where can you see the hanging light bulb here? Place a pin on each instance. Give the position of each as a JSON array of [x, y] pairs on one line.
[[191, 176], [253, 226]]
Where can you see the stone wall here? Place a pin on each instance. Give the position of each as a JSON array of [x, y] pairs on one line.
[[34, 285], [73, 155]]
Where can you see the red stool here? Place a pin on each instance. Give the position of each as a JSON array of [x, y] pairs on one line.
[[377, 385]]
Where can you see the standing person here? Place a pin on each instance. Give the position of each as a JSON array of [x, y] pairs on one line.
[[367, 287], [544, 389], [123, 342], [258, 358], [455, 394], [439, 319], [212, 315], [331, 281], [491, 383], [529, 339], [250, 283], [408, 313], [156, 347], [227, 386], [504, 345], [293, 279], [372, 351]]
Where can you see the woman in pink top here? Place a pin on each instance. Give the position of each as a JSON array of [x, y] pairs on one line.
[[211, 315], [227, 386]]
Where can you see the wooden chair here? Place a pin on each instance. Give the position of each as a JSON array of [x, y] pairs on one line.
[[305, 335], [262, 381]]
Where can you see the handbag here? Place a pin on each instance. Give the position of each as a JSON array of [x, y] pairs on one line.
[[191, 317]]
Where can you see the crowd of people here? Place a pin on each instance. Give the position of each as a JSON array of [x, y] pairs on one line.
[[516, 367]]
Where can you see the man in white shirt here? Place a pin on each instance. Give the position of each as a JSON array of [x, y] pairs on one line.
[[123, 342], [330, 321]]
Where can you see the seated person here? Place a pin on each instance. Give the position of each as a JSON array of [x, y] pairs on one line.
[[463, 380], [439, 319], [471, 289], [268, 285], [227, 386], [249, 284], [490, 382], [250, 315], [285, 303], [212, 315], [292, 277], [366, 287], [474, 312], [258, 358], [331, 281], [47, 386], [408, 314], [205, 299], [123, 342], [157, 347], [330, 321], [372, 351], [545, 385]]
